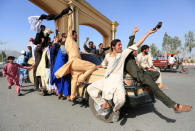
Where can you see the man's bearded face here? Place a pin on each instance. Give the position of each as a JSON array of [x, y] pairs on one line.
[[146, 51]]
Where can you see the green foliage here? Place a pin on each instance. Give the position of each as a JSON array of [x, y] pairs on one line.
[[189, 41], [139, 50], [2, 54], [171, 44], [165, 44], [192, 61], [154, 50]]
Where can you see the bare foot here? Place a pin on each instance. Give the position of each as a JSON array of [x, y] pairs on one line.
[[68, 98], [182, 108], [105, 105], [72, 98], [161, 86]]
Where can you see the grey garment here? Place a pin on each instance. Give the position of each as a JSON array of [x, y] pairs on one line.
[[63, 50], [101, 53], [90, 50]]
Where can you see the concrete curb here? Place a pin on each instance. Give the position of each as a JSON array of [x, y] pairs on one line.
[[188, 64]]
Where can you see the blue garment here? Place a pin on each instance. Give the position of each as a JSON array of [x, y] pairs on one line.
[[53, 53], [63, 83], [28, 56], [22, 72]]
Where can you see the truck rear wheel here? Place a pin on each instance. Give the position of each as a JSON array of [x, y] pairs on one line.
[[94, 108]]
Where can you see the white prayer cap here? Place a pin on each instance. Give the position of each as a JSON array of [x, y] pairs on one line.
[[23, 52]]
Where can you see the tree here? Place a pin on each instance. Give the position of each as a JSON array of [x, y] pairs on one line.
[[3, 54], [1, 43], [175, 44], [171, 44], [165, 44], [154, 50], [189, 41]]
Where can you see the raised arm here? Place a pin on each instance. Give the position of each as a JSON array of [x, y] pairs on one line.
[[70, 28], [132, 37], [107, 48], [85, 45], [145, 36]]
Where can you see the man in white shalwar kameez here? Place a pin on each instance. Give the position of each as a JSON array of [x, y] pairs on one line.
[[111, 85], [144, 60]]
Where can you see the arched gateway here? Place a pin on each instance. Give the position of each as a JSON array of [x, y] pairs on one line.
[[84, 14]]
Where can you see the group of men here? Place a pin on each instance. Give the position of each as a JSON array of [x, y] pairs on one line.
[[100, 52], [59, 66], [117, 61]]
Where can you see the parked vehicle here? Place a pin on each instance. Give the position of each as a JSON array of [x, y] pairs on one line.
[[163, 64]]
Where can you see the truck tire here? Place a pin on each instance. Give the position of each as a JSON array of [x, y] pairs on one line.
[[107, 118]]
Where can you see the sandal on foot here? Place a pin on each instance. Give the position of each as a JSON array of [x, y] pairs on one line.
[[103, 112], [182, 108], [115, 117]]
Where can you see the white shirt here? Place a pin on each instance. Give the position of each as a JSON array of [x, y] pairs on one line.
[[144, 61], [108, 61], [171, 60], [115, 77], [33, 49]]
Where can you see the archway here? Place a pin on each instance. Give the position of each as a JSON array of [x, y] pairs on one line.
[[84, 14]]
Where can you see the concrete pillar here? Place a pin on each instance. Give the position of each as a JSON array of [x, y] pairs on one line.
[[114, 26]]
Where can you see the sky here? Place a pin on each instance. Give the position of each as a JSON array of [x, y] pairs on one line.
[[178, 17]]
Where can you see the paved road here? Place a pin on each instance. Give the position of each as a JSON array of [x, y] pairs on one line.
[[33, 112]]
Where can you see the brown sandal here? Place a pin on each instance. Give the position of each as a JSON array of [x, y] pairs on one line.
[[182, 108]]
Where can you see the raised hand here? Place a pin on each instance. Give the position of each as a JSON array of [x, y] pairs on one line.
[[152, 31], [135, 29], [87, 38]]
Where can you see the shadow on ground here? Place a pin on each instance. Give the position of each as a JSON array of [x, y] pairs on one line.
[[128, 112], [27, 91]]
